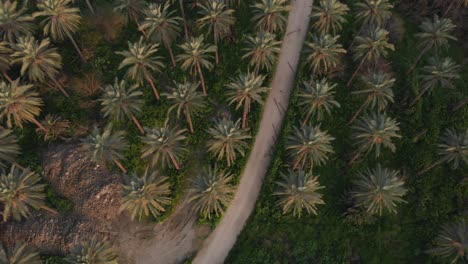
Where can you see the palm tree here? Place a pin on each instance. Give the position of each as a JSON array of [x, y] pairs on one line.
[[106, 146], [453, 147], [14, 23], [55, 127], [163, 145], [146, 194], [317, 98], [131, 9], [227, 140], [373, 131], [244, 90], [309, 146], [38, 60], [61, 20], [438, 73], [20, 254], [211, 191], [141, 60], [121, 100], [329, 16], [162, 26], [323, 53], [370, 47], [217, 19], [262, 50], [20, 191], [269, 15], [196, 56], [378, 90], [185, 98], [452, 243], [435, 34], [298, 191], [5, 59], [9, 148], [379, 189], [93, 251], [19, 103]]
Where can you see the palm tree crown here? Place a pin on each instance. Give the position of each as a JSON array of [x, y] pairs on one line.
[[227, 140], [14, 23], [211, 191], [309, 146], [323, 53], [452, 242], [20, 192], [244, 90], [439, 72], [60, 20], [132, 9], [379, 189], [298, 191], [146, 194], [92, 251], [373, 12], [9, 148], [262, 50], [454, 147], [20, 254], [329, 16], [435, 33], [269, 15], [317, 97]]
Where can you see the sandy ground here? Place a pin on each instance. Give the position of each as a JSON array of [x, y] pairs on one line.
[[216, 248]]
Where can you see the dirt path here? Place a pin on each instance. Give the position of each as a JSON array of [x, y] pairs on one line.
[[217, 246]]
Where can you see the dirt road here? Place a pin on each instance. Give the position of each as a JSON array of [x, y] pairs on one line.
[[216, 248]]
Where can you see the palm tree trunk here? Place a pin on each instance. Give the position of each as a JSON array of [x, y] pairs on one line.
[[172, 56], [460, 104], [148, 78], [174, 161], [354, 39], [257, 68], [246, 111], [76, 47], [228, 156], [215, 34], [298, 160], [90, 6], [363, 106], [420, 95], [431, 167], [59, 86], [50, 210], [137, 123], [139, 26], [306, 118], [5, 74], [448, 9], [354, 158], [202, 79], [189, 119], [182, 11], [121, 167], [38, 124], [417, 60], [357, 70]]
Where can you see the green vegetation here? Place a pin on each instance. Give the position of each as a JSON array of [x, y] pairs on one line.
[[92, 251]]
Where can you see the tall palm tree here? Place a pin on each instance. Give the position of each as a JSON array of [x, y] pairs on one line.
[[323, 53], [378, 91], [141, 60], [309, 146], [121, 100], [55, 126], [269, 15], [438, 73], [13, 22], [329, 16], [131, 9], [19, 254], [435, 34], [370, 47], [106, 146], [453, 147], [185, 98], [93, 251], [19, 103], [452, 243], [374, 131], [162, 26], [244, 90], [9, 148], [227, 140], [60, 20], [298, 191], [38, 60], [262, 50], [379, 189], [317, 98], [163, 146], [218, 19], [196, 56], [20, 192], [146, 194], [5, 59], [211, 191]]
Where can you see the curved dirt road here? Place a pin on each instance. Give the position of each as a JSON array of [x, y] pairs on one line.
[[219, 243]]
